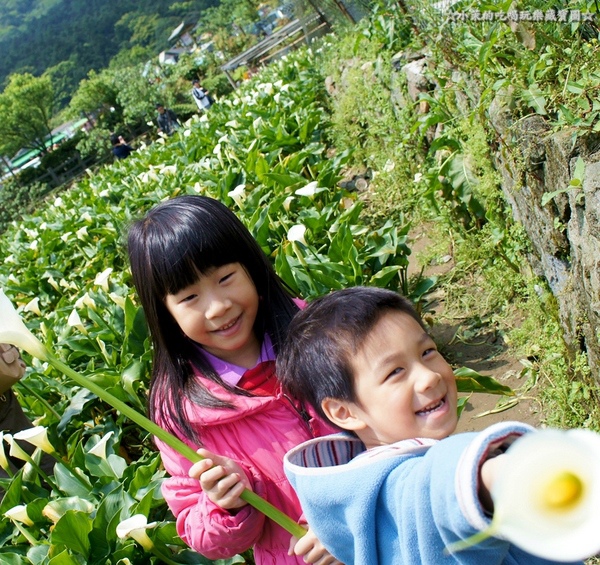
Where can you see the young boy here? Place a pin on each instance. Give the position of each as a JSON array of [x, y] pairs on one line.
[[390, 492]]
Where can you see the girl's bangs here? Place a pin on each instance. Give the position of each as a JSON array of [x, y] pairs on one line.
[[182, 262]]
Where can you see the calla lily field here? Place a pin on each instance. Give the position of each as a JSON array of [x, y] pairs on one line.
[[68, 303], [269, 164]]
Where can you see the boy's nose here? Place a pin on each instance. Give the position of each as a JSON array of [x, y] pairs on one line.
[[426, 378]]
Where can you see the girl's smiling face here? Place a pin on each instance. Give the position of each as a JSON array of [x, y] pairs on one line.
[[218, 312], [403, 386]]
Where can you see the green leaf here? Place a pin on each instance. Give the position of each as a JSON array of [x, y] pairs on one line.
[[72, 531], [535, 99], [468, 380], [64, 558]]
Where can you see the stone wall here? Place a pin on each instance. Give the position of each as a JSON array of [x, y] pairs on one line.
[[564, 232]]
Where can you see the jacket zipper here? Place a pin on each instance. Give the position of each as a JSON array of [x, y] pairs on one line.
[[301, 411]]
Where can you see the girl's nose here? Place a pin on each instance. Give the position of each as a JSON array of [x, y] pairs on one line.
[[217, 307]]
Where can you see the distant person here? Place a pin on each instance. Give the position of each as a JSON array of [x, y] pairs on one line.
[[201, 96], [12, 417], [167, 120], [120, 149]]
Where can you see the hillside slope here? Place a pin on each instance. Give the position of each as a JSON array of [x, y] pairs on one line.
[[36, 35]]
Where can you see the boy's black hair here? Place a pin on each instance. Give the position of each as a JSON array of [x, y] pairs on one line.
[[169, 249], [315, 360]]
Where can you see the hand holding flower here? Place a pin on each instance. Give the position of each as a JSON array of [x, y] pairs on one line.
[[545, 492], [221, 478]]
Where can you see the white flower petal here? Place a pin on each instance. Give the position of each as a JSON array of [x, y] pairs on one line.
[[297, 233], [99, 450], [102, 278], [19, 514], [74, 320], [33, 306], [14, 331], [37, 436], [3, 459], [547, 496], [309, 190], [135, 527]]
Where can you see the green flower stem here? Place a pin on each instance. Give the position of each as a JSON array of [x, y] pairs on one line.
[[250, 497], [471, 540], [163, 557], [41, 472], [32, 541], [32, 392]]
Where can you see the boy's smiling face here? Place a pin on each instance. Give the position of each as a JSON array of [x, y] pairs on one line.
[[404, 387]]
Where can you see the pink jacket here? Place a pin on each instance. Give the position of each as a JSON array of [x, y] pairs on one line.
[[257, 434]]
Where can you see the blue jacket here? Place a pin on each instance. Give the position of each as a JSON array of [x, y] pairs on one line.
[[404, 505]]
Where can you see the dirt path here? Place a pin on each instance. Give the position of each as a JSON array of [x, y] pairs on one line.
[[483, 351]]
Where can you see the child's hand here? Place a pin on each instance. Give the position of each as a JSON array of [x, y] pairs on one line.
[[221, 478], [309, 547], [12, 367]]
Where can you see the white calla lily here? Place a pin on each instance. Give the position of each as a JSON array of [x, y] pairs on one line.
[[33, 306], [238, 194], [135, 528], [287, 203], [16, 450], [102, 278], [297, 233], [3, 459], [74, 321], [52, 282], [85, 300], [14, 331], [547, 497], [309, 190], [99, 450], [19, 514], [117, 299], [37, 436]]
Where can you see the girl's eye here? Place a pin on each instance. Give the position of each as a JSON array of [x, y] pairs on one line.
[[226, 277], [188, 298]]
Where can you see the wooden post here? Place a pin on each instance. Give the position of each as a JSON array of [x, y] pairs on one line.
[[320, 12], [7, 163], [342, 7], [230, 79]]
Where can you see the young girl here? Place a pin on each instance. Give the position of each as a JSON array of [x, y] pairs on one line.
[[218, 314]]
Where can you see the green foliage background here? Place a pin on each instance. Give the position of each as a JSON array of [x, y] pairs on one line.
[[274, 151]]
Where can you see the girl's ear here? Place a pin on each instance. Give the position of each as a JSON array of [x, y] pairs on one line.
[[343, 413]]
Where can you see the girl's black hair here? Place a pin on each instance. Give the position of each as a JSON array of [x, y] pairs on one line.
[[315, 361], [168, 249]]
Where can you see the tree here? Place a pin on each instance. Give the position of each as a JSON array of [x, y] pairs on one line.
[[26, 107]]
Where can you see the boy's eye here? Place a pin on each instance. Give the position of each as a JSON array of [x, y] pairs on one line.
[[396, 371], [429, 351]]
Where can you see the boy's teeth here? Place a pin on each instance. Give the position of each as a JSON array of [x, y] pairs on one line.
[[431, 408]]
